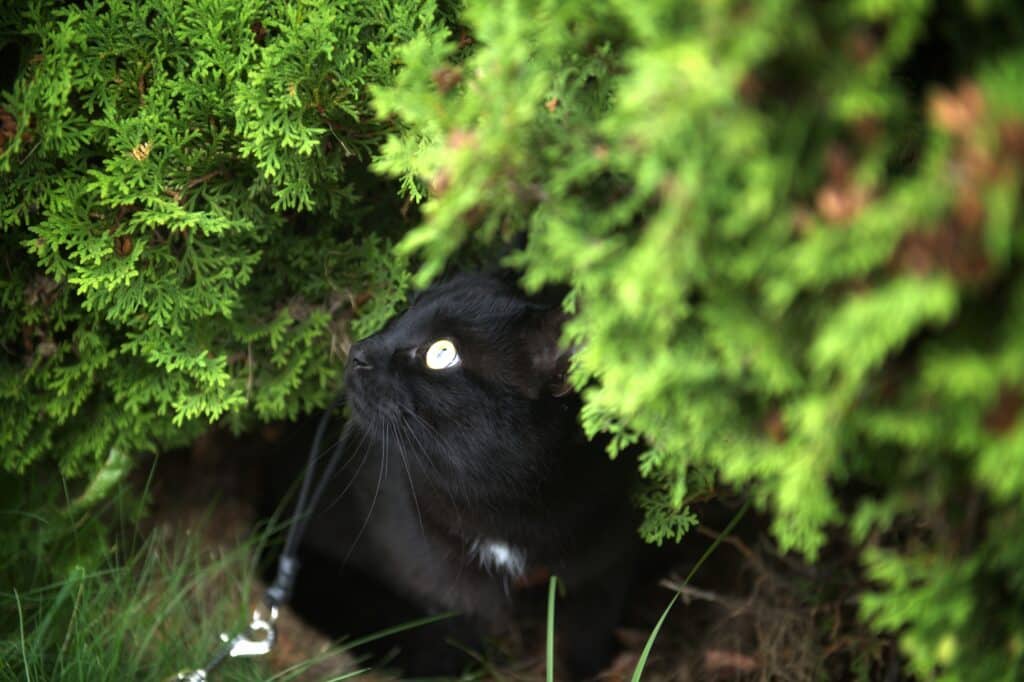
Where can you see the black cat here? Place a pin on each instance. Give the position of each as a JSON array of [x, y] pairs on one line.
[[470, 478]]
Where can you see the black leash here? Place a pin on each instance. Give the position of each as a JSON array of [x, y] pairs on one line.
[[261, 635]]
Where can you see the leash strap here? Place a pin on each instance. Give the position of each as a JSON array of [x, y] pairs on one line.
[[261, 635], [280, 591]]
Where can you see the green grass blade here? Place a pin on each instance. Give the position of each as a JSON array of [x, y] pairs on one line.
[[387, 632], [552, 589], [67, 588], [349, 675], [642, 661], [21, 630]]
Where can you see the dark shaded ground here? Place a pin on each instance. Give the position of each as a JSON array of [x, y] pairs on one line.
[[748, 614]]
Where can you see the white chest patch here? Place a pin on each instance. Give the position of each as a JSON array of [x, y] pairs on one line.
[[498, 555]]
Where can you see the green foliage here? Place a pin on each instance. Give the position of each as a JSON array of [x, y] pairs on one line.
[[795, 246], [185, 213], [663, 519]]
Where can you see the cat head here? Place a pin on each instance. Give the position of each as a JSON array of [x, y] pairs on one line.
[[470, 382]]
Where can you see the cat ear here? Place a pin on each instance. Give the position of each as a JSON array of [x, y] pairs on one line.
[[549, 360]]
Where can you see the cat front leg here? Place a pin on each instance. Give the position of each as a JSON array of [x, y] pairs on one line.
[[587, 621]]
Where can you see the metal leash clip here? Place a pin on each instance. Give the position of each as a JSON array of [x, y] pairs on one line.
[[257, 640]]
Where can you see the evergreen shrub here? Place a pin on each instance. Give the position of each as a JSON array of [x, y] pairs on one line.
[[794, 235], [185, 212], [792, 232]]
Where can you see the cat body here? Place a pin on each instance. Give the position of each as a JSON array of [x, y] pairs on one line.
[[469, 478]]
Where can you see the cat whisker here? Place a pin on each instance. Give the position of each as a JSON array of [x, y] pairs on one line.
[[423, 454], [348, 460], [355, 474], [427, 425], [408, 473], [315, 462], [436, 436], [425, 457], [340, 442], [376, 493]]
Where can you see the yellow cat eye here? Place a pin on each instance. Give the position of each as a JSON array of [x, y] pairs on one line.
[[441, 355]]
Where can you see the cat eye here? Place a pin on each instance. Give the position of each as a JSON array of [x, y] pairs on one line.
[[441, 355]]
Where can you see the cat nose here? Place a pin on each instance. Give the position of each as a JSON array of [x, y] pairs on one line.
[[358, 359]]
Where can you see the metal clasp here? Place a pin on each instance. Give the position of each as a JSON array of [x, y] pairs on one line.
[[257, 640]]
